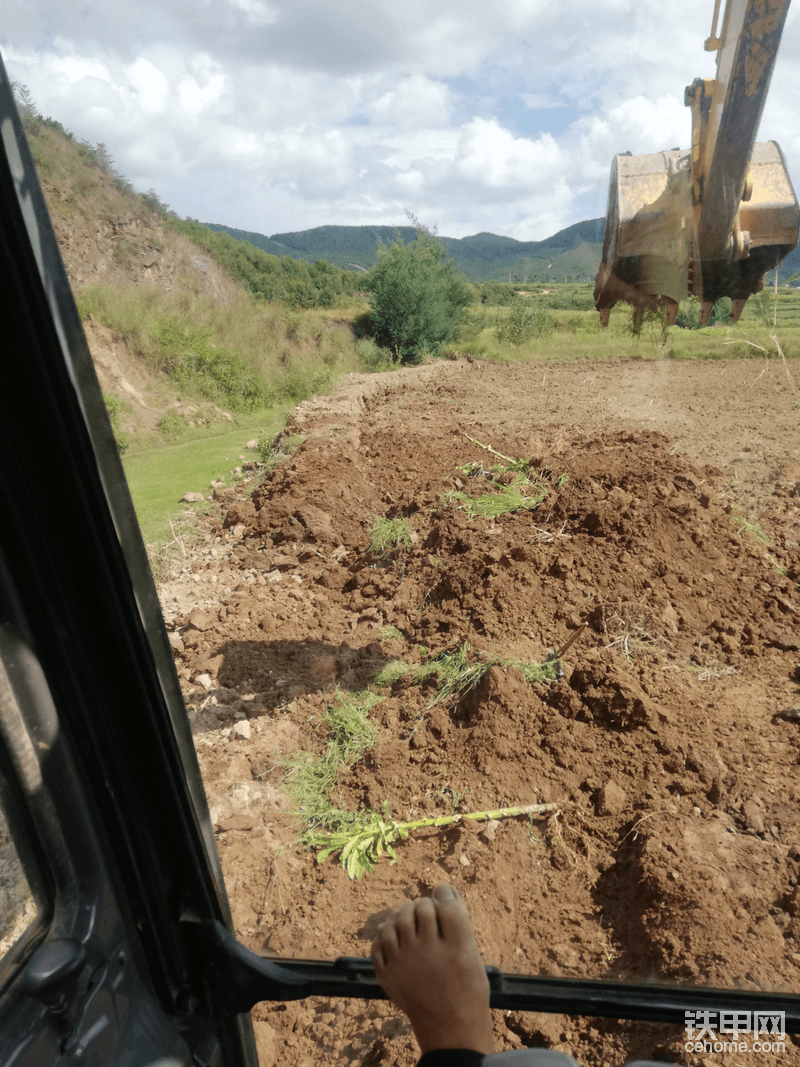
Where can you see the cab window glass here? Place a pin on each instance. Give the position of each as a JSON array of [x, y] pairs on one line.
[[18, 909]]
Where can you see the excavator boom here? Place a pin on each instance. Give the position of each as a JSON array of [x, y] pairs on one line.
[[711, 221]]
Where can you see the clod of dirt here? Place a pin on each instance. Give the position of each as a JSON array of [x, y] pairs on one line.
[[611, 799]]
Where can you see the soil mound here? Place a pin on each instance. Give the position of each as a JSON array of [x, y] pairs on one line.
[[671, 634]]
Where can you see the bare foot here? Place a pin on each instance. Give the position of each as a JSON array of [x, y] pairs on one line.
[[428, 964]]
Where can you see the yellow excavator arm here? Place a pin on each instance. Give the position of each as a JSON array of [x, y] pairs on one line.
[[712, 221]]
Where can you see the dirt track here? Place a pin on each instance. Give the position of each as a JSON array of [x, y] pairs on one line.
[[674, 856]]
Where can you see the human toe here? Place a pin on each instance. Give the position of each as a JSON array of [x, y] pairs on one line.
[[426, 921], [452, 914]]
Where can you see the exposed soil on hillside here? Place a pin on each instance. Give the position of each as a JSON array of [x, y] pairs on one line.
[[668, 744]]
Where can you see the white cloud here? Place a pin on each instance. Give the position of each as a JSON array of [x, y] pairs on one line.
[[492, 156], [639, 125], [150, 85], [416, 102], [257, 12], [282, 114]]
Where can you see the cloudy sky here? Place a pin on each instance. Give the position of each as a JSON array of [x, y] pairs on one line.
[[278, 115]]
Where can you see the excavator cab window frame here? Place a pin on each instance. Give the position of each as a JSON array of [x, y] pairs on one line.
[[79, 605]]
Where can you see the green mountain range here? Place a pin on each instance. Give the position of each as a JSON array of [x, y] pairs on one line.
[[572, 254], [787, 269]]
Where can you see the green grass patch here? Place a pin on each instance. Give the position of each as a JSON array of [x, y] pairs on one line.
[[159, 476], [391, 672], [386, 536], [272, 454], [752, 529], [115, 409], [346, 733], [373, 357], [390, 633], [461, 669], [576, 333], [513, 486], [244, 354]]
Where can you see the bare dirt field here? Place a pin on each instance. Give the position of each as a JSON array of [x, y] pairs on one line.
[[670, 526]]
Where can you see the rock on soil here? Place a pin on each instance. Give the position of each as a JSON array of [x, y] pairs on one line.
[[674, 855]]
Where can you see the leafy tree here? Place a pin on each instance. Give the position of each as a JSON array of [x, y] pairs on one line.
[[688, 316], [31, 119], [104, 160], [721, 312], [156, 204], [417, 296]]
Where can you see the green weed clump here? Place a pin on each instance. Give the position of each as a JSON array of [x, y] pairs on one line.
[[390, 633], [311, 778], [503, 501], [461, 669], [271, 454], [752, 529], [513, 487], [523, 324], [391, 673], [386, 536]]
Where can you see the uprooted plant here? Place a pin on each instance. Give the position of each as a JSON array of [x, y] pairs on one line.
[[348, 734], [460, 670], [373, 834], [360, 837], [387, 536], [513, 485], [631, 628]]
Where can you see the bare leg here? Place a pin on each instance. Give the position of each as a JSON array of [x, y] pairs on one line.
[[428, 964]]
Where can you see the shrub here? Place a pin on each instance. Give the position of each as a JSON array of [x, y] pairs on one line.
[[271, 453], [721, 311], [523, 324], [417, 297], [372, 357], [498, 294], [172, 426], [114, 409], [688, 316], [192, 360]]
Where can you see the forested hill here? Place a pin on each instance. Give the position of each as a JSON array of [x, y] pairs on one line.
[[573, 253]]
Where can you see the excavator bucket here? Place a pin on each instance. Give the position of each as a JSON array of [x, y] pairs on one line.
[[651, 252], [711, 221], [648, 247], [765, 231]]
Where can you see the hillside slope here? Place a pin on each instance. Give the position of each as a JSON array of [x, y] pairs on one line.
[[183, 323], [109, 235]]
